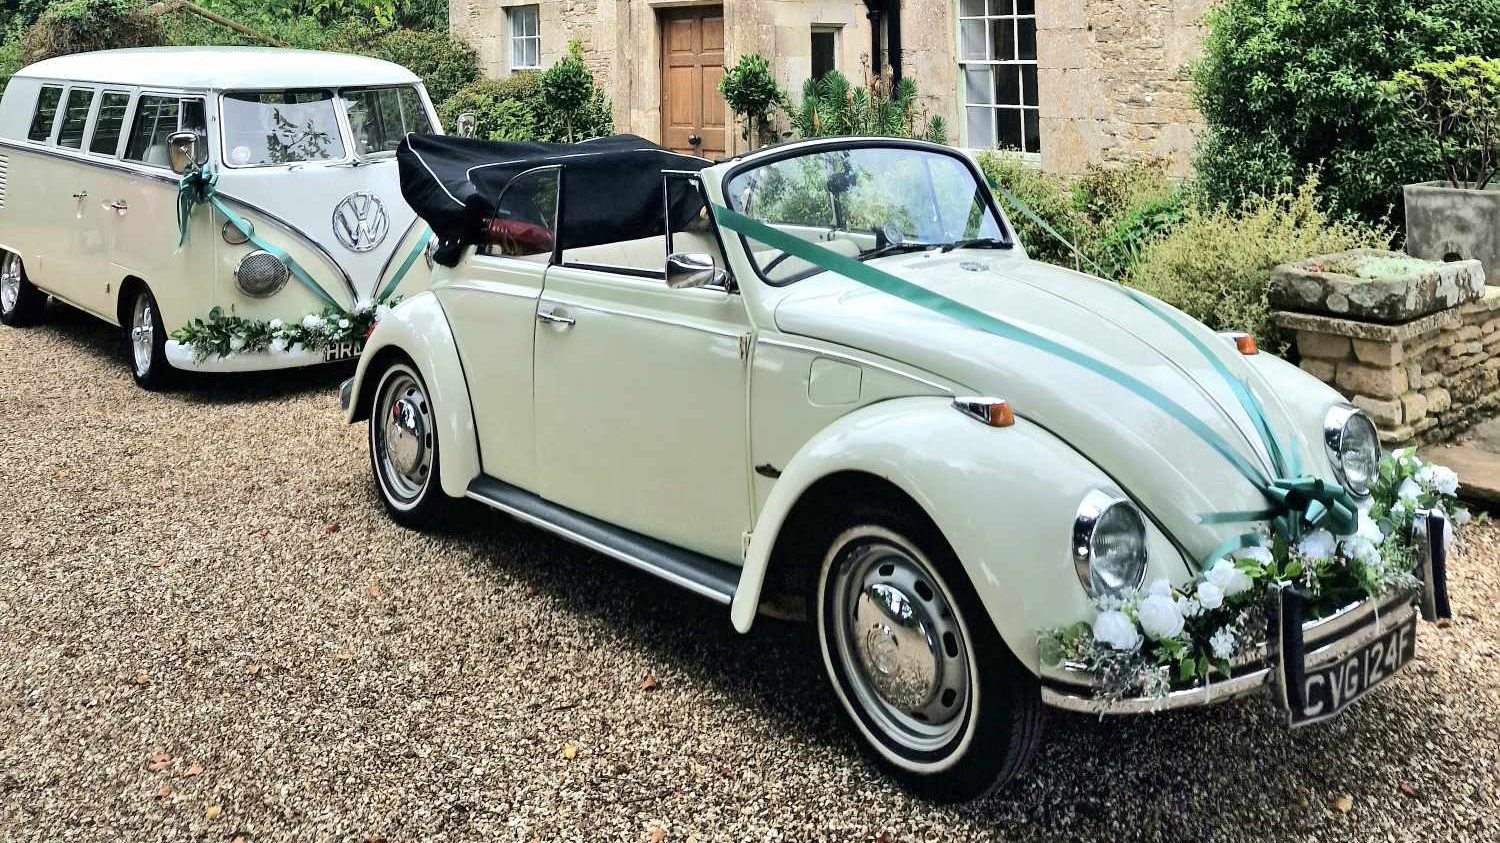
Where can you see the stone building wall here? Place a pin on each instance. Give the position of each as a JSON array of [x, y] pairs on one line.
[[1423, 381], [1111, 80]]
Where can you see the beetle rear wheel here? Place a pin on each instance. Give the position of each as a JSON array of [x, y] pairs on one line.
[[404, 447], [927, 682], [20, 302]]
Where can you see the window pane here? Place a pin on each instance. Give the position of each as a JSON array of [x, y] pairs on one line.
[[75, 117], [281, 127], [1007, 85], [1027, 46], [1028, 83], [526, 218], [1025, 7], [971, 8], [979, 88], [194, 121], [381, 117], [111, 120], [46, 111], [1003, 35], [1000, 7], [1033, 131], [155, 121], [981, 127], [822, 54], [972, 35], [1008, 127], [532, 22]]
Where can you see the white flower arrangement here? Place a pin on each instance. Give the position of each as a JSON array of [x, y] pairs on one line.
[[221, 336], [1183, 636]]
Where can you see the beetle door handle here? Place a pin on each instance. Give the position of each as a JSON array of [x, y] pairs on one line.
[[81, 195], [551, 318]]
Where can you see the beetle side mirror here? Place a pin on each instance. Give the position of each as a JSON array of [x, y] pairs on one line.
[[182, 147], [694, 270]]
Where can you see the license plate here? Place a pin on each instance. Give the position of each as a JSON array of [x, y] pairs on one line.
[[342, 351], [1329, 689]]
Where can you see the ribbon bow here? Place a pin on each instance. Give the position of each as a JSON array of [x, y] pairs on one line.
[[195, 186]]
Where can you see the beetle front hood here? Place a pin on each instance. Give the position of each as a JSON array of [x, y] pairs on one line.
[[1154, 457]]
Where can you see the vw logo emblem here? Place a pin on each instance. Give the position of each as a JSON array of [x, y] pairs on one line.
[[360, 221]]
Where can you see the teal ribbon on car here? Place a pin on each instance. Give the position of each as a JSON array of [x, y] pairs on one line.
[[1293, 503], [200, 186]]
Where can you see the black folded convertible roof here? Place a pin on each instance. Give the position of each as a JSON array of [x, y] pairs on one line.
[[611, 187]]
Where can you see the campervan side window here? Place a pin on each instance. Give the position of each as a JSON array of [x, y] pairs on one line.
[[75, 117], [380, 117], [46, 113], [156, 118], [110, 123]]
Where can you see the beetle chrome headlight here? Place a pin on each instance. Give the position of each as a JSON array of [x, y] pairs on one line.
[[1353, 447], [261, 274], [1109, 544]]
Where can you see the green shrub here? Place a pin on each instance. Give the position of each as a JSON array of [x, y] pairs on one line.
[[751, 92], [1049, 197], [1216, 265], [1459, 102], [567, 87], [1291, 85], [444, 64], [594, 119], [10, 56], [79, 26], [830, 106], [500, 114], [1126, 239]]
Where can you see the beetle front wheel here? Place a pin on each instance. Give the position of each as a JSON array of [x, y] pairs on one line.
[[404, 447], [930, 687]]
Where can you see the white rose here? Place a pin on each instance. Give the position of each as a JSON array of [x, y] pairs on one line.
[[1222, 643], [344, 323], [1368, 529], [1161, 587], [236, 343], [1160, 617], [1116, 629], [1438, 477], [1361, 550], [1261, 555], [277, 324], [1409, 490], [1209, 595], [1190, 606], [278, 345], [312, 322], [1229, 579], [1318, 544]]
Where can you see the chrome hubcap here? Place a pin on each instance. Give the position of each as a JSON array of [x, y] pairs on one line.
[[900, 642], [10, 282], [142, 334], [404, 437]]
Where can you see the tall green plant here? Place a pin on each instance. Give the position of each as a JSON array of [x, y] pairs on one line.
[[567, 87], [1459, 103], [831, 106], [751, 93]]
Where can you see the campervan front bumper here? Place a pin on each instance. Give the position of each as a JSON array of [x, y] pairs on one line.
[[182, 357]]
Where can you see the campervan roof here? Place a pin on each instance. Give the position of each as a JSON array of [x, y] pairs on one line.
[[221, 68]]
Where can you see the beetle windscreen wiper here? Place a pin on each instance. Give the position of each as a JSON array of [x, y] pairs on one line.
[[977, 243], [896, 249]]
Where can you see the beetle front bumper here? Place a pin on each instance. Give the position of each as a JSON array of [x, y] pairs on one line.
[[1322, 642]]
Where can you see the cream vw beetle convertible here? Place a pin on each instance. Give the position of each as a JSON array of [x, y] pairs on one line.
[[828, 370], [297, 214]]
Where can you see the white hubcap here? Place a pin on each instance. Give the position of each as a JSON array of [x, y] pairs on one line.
[[10, 283], [142, 334]]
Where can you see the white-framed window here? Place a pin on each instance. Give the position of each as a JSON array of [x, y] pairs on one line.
[[525, 37], [997, 60]]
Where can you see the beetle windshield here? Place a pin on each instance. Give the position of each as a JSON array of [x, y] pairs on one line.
[[381, 117], [281, 127], [864, 202]]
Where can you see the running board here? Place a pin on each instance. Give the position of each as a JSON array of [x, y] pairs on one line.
[[693, 571]]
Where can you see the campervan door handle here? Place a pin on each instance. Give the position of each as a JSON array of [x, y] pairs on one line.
[[119, 206]]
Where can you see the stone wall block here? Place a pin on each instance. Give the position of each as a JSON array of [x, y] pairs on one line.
[[1358, 379], [1383, 413], [1438, 400], [1413, 407], [1327, 346], [1379, 352]]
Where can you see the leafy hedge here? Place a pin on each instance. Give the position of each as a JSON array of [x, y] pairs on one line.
[[77, 26], [445, 64], [495, 102]]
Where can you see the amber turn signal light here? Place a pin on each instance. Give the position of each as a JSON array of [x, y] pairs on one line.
[[1243, 343], [991, 411]]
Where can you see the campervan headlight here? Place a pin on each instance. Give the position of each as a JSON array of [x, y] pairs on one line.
[[261, 274]]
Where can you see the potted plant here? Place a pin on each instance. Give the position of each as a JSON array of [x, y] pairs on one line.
[[1458, 216], [751, 92]]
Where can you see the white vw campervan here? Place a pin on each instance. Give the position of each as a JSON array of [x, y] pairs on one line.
[[231, 208]]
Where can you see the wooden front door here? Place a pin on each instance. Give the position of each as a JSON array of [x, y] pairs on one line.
[[692, 62]]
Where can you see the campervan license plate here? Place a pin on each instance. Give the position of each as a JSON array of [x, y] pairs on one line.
[[1330, 689], [342, 351]]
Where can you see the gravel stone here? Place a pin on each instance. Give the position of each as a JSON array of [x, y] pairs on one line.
[[210, 632]]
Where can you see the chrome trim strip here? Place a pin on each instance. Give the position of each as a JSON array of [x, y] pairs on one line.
[[658, 319], [1395, 612], [812, 349], [477, 287], [600, 547]]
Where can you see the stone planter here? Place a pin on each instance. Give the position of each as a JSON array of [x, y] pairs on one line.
[[1449, 223], [1371, 285]]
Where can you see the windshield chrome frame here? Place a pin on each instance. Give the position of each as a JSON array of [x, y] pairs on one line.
[[803, 148], [341, 117]]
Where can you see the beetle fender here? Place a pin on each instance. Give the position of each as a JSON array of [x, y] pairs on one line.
[[1004, 498], [418, 328]]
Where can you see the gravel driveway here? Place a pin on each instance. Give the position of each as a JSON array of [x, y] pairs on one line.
[[209, 631]]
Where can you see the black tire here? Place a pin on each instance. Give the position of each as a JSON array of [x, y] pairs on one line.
[[146, 342], [21, 303], [955, 748], [404, 447]]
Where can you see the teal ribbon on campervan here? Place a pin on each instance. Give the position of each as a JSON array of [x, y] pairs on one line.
[[199, 186], [1294, 503], [405, 267]]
